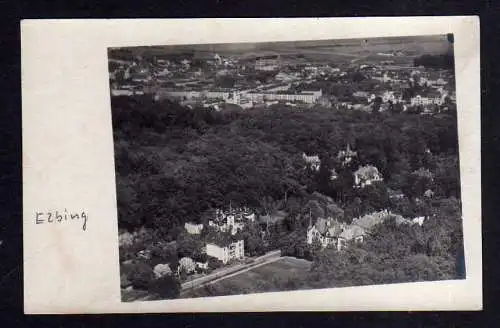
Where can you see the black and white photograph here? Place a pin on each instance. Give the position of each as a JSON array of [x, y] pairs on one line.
[[246, 168], [251, 165]]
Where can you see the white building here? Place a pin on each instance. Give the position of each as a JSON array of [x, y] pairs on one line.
[[432, 100], [346, 156], [308, 97], [187, 264], [267, 63], [193, 228], [202, 265], [391, 96], [366, 175], [340, 235], [226, 253], [313, 161], [235, 98]]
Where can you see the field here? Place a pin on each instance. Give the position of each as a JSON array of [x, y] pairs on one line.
[[265, 278], [318, 50]]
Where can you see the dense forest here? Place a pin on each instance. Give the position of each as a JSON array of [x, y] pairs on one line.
[[174, 163], [445, 61]]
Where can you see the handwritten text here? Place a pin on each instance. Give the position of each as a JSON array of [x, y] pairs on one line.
[[61, 216]]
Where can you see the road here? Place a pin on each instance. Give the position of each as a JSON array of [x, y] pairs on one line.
[[231, 271], [242, 271]]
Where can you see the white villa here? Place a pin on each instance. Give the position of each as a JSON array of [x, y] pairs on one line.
[[366, 175], [226, 252]]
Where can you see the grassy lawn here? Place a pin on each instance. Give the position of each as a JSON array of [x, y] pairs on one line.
[[261, 279], [134, 295]]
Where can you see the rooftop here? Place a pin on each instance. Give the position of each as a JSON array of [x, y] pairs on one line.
[[367, 171], [221, 239], [368, 221]]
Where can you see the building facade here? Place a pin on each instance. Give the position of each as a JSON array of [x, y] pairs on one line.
[[422, 101], [233, 251], [231, 221], [193, 228]]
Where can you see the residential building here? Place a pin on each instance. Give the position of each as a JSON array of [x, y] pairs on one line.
[[429, 193], [126, 92], [235, 98], [333, 175], [267, 63], [308, 97], [391, 96], [325, 231], [312, 161], [418, 220], [193, 228], [231, 221], [161, 270], [202, 265], [430, 99], [361, 226], [360, 94], [351, 233], [366, 175], [187, 264], [226, 252], [368, 221], [346, 156]]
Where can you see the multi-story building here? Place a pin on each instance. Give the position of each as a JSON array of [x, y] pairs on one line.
[[308, 97], [227, 251], [432, 99]]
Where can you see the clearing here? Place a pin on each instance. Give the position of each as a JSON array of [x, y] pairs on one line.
[[260, 279]]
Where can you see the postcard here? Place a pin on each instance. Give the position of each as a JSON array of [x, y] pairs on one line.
[[251, 165]]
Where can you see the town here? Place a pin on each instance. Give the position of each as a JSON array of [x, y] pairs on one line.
[[212, 81], [285, 169]]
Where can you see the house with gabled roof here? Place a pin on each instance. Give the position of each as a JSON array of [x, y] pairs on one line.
[[312, 161], [325, 231], [225, 247], [366, 175]]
